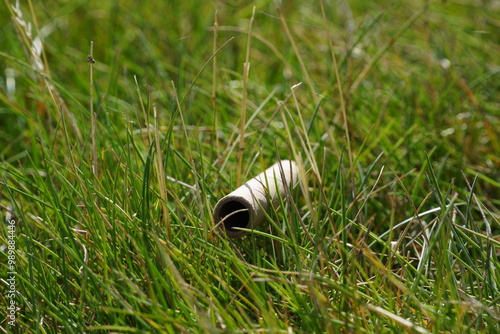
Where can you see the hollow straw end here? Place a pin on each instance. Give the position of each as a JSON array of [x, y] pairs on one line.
[[232, 212]]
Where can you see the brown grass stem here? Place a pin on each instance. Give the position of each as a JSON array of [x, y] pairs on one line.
[[93, 115], [246, 69]]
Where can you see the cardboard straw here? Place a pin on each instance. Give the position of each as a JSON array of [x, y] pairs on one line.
[[246, 206]]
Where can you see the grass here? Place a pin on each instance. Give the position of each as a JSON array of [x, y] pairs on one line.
[[110, 170]]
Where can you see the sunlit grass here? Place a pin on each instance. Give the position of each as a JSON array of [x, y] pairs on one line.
[[389, 109]]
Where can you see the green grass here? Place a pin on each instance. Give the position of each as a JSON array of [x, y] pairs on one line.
[[390, 109]]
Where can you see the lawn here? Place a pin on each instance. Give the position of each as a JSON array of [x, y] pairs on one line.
[[122, 123]]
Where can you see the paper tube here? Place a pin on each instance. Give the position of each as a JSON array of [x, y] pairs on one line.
[[245, 207]]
